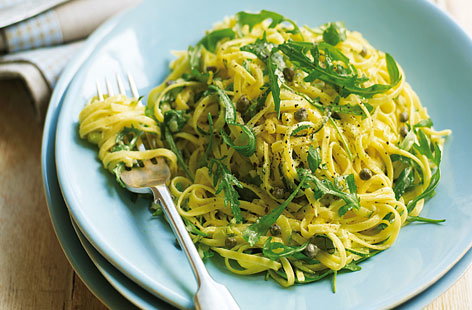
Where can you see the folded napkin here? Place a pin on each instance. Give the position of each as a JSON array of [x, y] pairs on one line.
[[37, 48]]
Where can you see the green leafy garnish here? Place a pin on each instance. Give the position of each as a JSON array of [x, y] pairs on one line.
[[343, 76], [126, 140], [224, 181], [424, 123], [325, 186], [403, 182], [423, 219], [334, 33], [425, 147], [210, 40], [428, 192], [117, 170], [177, 117], [267, 52], [175, 120], [350, 109], [191, 228], [194, 54], [277, 250], [261, 48], [230, 117], [252, 19], [263, 224], [314, 158]]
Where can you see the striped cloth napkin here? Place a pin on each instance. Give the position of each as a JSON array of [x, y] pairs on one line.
[[36, 48]]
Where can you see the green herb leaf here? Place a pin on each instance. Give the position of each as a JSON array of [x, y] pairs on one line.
[[224, 181], [277, 250], [351, 109], [325, 186], [403, 182], [195, 64], [230, 117], [253, 19], [314, 158], [261, 48], [274, 81], [344, 76], [296, 131], [428, 192], [334, 33], [175, 120], [225, 101], [211, 40], [126, 140], [423, 219], [262, 225], [117, 170], [191, 228], [424, 123], [169, 139]]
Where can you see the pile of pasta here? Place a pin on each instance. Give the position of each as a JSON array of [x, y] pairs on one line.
[[295, 151]]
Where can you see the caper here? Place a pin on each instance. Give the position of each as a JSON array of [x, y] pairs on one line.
[[300, 115], [275, 230], [243, 103], [230, 242], [363, 52], [365, 174], [403, 131], [173, 125], [404, 117], [289, 73], [278, 192], [170, 82], [311, 250], [211, 69]]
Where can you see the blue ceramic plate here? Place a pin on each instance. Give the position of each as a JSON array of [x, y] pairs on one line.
[[436, 56]]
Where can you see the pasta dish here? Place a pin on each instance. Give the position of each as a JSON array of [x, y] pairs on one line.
[[296, 152]]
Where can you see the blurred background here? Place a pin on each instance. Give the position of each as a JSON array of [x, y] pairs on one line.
[[37, 39]]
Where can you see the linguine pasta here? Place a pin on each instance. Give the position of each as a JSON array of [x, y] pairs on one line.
[[297, 152]]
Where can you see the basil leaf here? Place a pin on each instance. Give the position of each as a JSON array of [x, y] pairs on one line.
[[224, 181], [211, 40], [334, 33], [263, 224], [392, 69]]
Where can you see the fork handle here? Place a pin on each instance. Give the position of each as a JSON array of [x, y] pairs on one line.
[[210, 295]]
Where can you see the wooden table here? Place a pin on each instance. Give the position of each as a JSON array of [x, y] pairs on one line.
[[34, 273]]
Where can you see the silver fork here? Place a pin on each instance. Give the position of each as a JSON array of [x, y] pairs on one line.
[[210, 294]]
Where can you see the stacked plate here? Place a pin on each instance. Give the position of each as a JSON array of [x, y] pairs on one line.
[[127, 258]]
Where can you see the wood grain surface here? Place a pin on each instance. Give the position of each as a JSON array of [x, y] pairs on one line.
[[34, 273]]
